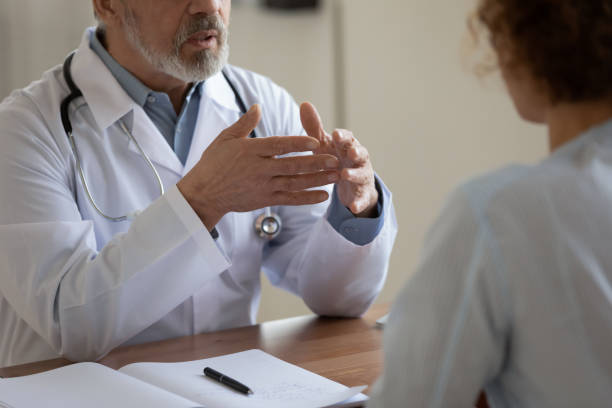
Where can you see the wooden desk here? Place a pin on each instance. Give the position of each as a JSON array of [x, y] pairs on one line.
[[345, 350], [348, 351]]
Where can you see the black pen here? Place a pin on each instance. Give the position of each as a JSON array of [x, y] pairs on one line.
[[225, 380]]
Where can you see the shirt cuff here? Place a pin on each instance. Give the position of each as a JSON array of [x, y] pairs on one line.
[[196, 228], [359, 231]]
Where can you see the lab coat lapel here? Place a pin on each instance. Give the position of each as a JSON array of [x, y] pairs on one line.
[[109, 103], [153, 143], [206, 131], [218, 111]]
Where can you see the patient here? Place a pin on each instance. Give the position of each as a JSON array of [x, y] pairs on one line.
[[513, 294]]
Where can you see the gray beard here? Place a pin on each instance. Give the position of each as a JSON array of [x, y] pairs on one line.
[[200, 67]]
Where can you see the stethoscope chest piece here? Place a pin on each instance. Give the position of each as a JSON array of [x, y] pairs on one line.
[[268, 225]]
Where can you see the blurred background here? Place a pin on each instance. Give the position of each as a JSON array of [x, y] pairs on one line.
[[396, 72]]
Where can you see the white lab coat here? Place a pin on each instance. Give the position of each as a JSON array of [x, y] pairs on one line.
[[76, 285]]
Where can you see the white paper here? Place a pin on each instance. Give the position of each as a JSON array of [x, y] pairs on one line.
[[85, 385], [382, 321], [274, 382]]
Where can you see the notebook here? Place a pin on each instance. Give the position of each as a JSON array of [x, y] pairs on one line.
[[275, 383]]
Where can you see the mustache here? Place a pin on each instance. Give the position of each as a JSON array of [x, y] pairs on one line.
[[201, 23]]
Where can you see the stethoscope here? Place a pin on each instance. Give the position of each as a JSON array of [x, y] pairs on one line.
[[267, 226]]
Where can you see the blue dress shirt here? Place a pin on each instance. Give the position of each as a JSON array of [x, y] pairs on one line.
[[178, 131]]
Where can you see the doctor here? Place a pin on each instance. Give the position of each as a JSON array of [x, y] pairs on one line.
[[160, 259]]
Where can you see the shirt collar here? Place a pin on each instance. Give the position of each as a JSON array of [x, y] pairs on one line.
[[132, 85]]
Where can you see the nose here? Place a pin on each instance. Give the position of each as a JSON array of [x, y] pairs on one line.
[[208, 7]]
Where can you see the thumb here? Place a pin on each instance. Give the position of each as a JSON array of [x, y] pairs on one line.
[[245, 125], [311, 121]]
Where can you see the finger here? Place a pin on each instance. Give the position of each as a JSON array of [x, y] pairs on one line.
[[360, 176], [302, 182], [279, 145], [343, 139], [364, 202], [245, 125], [311, 121], [358, 206], [312, 124], [303, 164], [358, 154], [343, 142], [299, 197]]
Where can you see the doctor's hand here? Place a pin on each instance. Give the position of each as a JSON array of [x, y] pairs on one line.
[[238, 174], [356, 187]]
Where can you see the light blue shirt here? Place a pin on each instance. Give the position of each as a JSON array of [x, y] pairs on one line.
[[513, 294], [178, 131]]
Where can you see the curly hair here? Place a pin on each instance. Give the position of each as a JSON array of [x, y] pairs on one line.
[[567, 44]]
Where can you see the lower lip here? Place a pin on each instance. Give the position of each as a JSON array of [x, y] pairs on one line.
[[209, 42]]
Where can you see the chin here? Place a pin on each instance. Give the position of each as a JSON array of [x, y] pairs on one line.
[[530, 114], [538, 120]]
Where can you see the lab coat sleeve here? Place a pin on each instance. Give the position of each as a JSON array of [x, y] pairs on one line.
[[447, 333], [334, 276], [85, 302]]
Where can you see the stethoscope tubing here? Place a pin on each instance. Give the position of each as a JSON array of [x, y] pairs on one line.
[[75, 93]]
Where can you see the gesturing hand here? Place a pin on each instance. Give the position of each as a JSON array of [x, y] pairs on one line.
[[356, 187], [240, 174]]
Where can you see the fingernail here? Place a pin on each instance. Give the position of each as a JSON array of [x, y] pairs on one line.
[[332, 177]]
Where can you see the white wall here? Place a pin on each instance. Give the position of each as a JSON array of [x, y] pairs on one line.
[[296, 50], [36, 35]]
